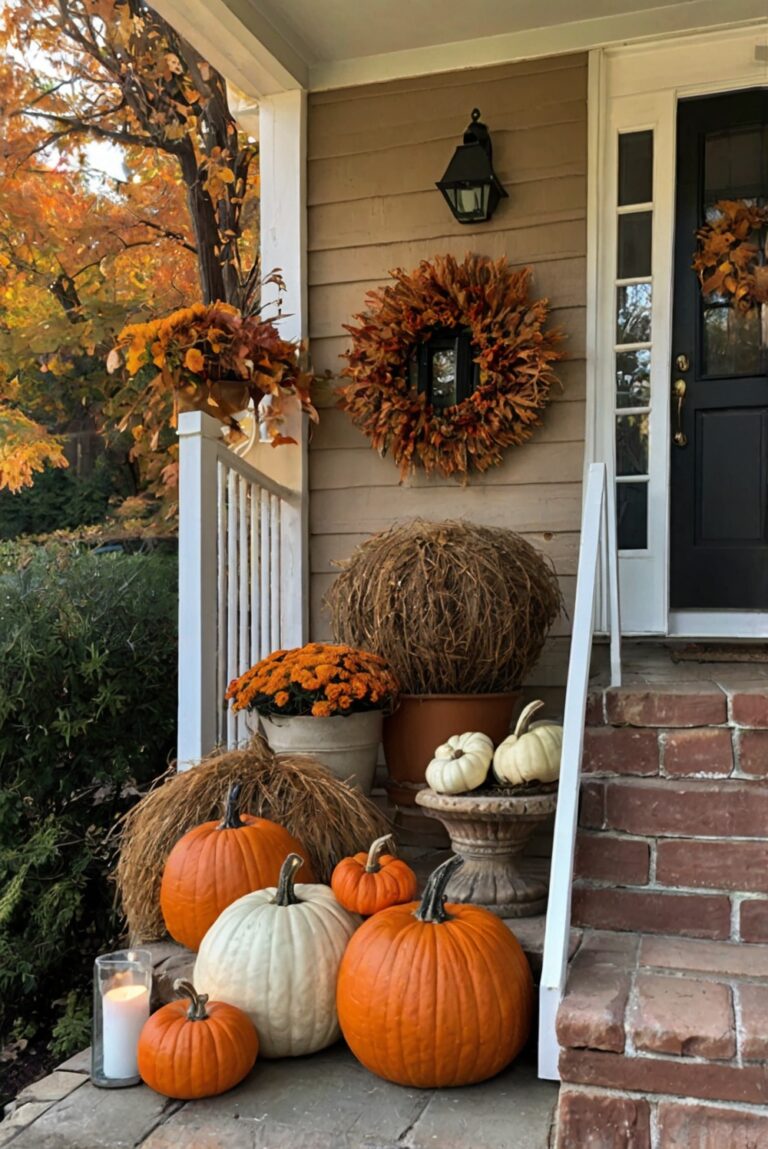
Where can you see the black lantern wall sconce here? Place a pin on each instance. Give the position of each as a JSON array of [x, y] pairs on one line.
[[471, 187]]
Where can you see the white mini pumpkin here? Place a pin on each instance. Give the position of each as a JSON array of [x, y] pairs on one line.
[[276, 953], [460, 764], [532, 753]]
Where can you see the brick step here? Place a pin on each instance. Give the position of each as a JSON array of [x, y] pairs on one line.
[[663, 1019], [669, 702]]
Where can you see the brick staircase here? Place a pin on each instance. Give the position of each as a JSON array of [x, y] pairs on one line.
[[664, 1026]]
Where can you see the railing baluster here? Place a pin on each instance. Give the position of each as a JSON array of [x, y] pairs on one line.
[[274, 573], [221, 629], [256, 496], [243, 556], [266, 590], [232, 557]]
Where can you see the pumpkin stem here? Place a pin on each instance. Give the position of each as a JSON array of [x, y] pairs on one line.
[[457, 754], [286, 895], [232, 819], [432, 907], [526, 715], [197, 1010], [377, 849]]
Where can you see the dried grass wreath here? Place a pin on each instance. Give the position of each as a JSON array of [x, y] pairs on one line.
[[726, 261], [513, 351]]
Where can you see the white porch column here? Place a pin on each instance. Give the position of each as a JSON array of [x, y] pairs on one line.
[[198, 502], [283, 156]]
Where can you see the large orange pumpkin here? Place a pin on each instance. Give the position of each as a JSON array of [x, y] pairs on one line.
[[434, 995], [367, 883], [196, 1048], [217, 863]]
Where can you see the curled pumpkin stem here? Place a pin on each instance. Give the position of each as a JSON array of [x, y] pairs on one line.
[[232, 819], [377, 849], [524, 721], [198, 1001], [286, 895], [432, 907]]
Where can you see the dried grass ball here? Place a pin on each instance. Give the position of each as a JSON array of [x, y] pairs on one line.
[[454, 608]]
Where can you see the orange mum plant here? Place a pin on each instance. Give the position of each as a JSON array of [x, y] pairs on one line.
[[213, 358], [319, 680]]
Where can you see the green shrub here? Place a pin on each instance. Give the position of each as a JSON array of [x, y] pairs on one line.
[[87, 717]]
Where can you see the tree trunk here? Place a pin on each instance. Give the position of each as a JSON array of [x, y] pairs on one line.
[[206, 232]]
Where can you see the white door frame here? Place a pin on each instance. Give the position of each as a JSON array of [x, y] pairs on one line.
[[634, 88]]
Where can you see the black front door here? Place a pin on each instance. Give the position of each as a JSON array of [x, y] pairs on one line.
[[719, 443]]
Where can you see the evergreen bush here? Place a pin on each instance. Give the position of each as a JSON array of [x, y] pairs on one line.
[[87, 718]]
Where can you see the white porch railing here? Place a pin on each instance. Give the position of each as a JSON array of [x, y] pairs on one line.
[[598, 527], [240, 587]]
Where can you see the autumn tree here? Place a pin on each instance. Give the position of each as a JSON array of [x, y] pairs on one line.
[[81, 251]]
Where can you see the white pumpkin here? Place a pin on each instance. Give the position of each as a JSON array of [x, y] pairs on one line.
[[532, 753], [276, 953], [462, 763]]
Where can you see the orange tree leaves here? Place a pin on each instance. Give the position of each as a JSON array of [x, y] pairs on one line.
[[514, 352]]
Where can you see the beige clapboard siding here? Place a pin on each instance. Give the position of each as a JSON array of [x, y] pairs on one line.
[[374, 154], [550, 151], [541, 243], [547, 507]]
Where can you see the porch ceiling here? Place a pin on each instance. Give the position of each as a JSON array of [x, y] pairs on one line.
[[266, 46]]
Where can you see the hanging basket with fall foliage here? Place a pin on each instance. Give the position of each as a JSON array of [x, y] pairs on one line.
[[727, 258], [513, 352], [212, 358]]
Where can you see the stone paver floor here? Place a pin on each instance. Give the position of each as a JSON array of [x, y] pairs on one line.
[[328, 1101]]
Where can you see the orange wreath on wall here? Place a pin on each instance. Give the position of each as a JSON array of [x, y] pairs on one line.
[[513, 351], [726, 261]]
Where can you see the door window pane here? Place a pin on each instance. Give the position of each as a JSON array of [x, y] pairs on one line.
[[732, 344], [635, 168], [633, 313], [632, 516], [633, 378], [733, 164], [632, 445], [634, 244]]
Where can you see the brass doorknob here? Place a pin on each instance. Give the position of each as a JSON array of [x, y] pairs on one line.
[[683, 363]]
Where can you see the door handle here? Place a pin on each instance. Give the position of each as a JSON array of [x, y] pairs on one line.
[[680, 438]]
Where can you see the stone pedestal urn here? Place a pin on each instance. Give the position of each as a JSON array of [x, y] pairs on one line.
[[490, 832]]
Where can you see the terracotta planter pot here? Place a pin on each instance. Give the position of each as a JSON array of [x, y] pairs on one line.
[[348, 746], [490, 832], [423, 721]]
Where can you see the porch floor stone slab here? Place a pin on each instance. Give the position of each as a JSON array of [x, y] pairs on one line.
[[328, 1101]]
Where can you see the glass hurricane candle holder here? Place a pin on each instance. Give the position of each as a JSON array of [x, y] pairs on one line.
[[122, 985]]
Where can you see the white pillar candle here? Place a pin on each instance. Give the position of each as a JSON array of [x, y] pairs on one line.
[[125, 1008]]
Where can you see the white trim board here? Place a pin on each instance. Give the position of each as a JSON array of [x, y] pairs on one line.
[[639, 87], [718, 624]]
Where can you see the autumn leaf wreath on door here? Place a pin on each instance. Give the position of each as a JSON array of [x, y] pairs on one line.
[[450, 364], [727, 260]]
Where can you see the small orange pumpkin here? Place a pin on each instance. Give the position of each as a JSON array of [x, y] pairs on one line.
[[218, 862], [433, 995], [196, 1048], [367, 883]]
